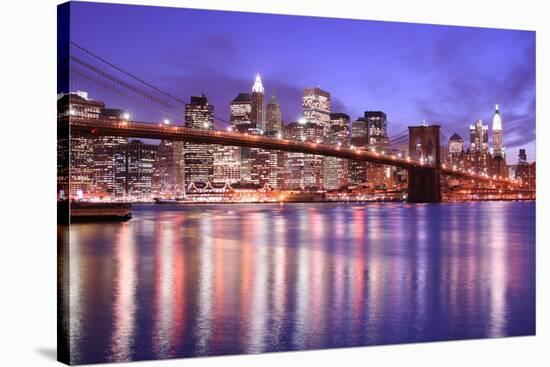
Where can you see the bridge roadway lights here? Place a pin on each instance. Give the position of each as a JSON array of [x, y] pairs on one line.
[[424, 185]]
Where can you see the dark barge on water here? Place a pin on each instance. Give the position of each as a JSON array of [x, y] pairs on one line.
[[86, 211]]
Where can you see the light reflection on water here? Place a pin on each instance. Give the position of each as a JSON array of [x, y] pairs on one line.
[[180, 281]]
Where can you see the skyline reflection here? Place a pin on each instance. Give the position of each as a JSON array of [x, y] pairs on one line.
[[182, 281]]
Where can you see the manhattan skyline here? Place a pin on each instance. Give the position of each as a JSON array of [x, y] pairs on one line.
[[446, 75]]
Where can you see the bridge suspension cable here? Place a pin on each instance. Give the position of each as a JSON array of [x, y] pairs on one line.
[[180, 102]]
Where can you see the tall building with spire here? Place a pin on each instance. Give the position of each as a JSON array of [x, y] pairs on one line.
[[258, 112], [498, 148]]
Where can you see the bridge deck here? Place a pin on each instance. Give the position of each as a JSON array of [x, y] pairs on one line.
[[144, 130], [171, 132]]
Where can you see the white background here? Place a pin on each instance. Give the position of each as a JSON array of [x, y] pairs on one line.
[[27, 179]]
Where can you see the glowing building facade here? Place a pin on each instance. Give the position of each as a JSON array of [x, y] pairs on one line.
[[134, 166], [168, 171], [455, 149], [335, 170], [257, 99], [274, 122], [303, 171], [316, 107], [104, 155], [199, 158], [76, 177], [357, 170], [377, 125], [479, 137], [498, 147]]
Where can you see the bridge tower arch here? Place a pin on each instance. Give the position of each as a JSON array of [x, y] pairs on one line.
[[425, 181]]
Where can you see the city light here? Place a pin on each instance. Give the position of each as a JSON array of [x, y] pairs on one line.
[[308, 134]]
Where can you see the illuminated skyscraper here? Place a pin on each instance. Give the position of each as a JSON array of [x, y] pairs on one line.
[[498, 148], [377, 126], [257, 97], [199, 158], [359, 133], [479, 137], [303, 171], [526, 172], [241, 121], [274, 123], [357, 170], [76, 178], [455, 149], [134, 165], [168, 170], [274, 129], [259, 158], [478, 157], [227, 164], [316, 114], [335, 170], [241, 113], [316, 107], [104, 154]]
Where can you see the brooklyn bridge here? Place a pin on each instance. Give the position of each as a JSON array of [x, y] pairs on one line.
[[424, 178]]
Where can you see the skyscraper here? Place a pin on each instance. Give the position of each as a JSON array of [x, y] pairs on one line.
[[199, 158], [104, 154], [257, 97], [227, 164], [479, 137], [241, 113], [134, 165], [357, 170], [498, 148], [316, 107], [522, 157], [303, 171], [316, 113], [76, 178], [377, 125], [274, 123], [168, 170], [526, 172], [335, 170], [455, 148], [478, 157], [274, 128], [241, 121]]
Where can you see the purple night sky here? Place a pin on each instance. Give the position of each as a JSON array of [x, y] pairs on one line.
[[446, 75]]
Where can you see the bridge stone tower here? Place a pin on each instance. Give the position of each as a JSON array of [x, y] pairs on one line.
[[425, 182]]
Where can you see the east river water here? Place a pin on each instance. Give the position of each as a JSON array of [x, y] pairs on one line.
[[202, 280]]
